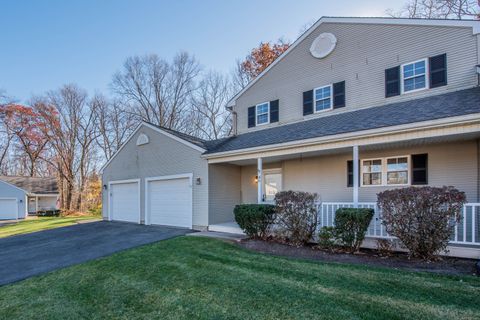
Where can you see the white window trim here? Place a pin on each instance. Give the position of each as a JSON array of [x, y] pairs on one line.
[[256, 114], [385, 171], [315, 99], [427, 77]]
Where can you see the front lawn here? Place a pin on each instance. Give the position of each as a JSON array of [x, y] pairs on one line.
[[191, 278], [39, 224]]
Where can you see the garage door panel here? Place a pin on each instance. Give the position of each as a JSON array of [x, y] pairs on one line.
[[125, 202], [170, 202], [8, 209]]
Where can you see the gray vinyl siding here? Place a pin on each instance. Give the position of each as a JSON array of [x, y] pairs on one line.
[[161, 156], [224, 192], [9, 191], [453, 164], [362, 54]]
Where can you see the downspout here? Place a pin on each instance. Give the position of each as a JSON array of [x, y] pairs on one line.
[[234, 120]]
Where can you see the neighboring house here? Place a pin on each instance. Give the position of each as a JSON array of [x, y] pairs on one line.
[[354, 107], [22, 196]]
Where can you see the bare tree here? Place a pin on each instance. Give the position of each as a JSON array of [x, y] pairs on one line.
[[114, 124], [209, 103], [439, 9], [157, 90]]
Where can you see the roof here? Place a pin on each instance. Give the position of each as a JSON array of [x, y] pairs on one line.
[[474, 24], [38, 185], [195, 140], [456, 103]]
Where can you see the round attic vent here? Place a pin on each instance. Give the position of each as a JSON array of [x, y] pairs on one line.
[[323, 45], [142, 139]]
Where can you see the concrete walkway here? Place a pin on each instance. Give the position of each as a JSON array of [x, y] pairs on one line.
[[31, 254]]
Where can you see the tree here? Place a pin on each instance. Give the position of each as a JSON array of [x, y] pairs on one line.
[[156, 90], [113, 124], [258, 60], [27, 126], [212, 120], [439, 9]]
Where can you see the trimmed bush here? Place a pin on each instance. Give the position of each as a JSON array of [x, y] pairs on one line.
[[296, 216], [422, 218], [351, 225], [255, 219], [326, 238]]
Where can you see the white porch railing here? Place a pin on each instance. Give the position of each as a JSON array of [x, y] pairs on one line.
[[467, 231]]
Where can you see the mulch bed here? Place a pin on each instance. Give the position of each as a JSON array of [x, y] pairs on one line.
[[446, 265]]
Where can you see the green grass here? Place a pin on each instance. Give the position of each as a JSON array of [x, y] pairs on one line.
[[199, 278], [42, 223]]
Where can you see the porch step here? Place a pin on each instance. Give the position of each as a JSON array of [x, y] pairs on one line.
[[226, 227]]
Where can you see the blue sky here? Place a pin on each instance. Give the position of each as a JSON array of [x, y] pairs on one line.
[[44, 44]]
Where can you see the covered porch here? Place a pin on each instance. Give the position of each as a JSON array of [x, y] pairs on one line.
[[351, 176], [41, 203]]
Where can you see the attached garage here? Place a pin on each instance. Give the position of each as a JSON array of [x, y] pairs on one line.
[[9, 208], [169, 200], [125, 200]]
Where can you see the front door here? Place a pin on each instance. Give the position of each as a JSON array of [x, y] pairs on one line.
[[272, 184]]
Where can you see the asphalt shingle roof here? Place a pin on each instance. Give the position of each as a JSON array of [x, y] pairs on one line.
[[456, 103], [47, 185]]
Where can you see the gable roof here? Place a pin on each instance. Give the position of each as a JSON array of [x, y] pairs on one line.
[[474, 24], [192, 139], [36, 185], [456, 103]]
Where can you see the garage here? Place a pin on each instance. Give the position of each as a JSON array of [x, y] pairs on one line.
[[125, 200], [169, 200], [8, 208]]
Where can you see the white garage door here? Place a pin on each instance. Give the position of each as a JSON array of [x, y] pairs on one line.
[[8, 209], [169, 202], [125, 201]]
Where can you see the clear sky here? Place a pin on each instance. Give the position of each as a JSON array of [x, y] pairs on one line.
[[44, 44]]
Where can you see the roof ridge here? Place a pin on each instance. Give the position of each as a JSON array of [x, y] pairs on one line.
[[175, 131]]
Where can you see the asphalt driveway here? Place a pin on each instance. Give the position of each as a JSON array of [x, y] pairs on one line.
[[31, 254]]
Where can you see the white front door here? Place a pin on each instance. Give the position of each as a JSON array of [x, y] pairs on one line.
[[8, 209], [125, 201], [169, 201], [272, 184]]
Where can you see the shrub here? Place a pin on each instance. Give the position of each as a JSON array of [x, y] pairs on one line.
[[385, 247], [254, 219], [351, 225], [326, 238], [422, 218], [296, 216]]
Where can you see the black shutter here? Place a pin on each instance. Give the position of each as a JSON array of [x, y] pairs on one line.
[[392, 82], [419, 169], [350, 173], [308, 102], [339, 95], [438, 70], [251, 117], [274, 111]]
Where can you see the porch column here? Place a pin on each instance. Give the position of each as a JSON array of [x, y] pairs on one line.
[[259, 180], [355, 176], [36, 204]]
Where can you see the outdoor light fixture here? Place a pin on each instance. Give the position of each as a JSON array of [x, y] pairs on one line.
[[256, 179], [199, 181], [104, 187]]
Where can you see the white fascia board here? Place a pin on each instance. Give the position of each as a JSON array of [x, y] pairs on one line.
[[474, 24]]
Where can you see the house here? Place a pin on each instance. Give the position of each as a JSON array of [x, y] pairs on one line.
[[354, 107], [23, 196]]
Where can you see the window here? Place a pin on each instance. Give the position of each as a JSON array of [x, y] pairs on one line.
[[323, 98], [263, 113], [397, 170], [414, 76], [386, 171], [372, 172]]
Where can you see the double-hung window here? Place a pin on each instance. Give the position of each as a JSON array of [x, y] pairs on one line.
[[397, 170], [386, 171], [263, 113], [414, 76], [372, 172], [323, 98]]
